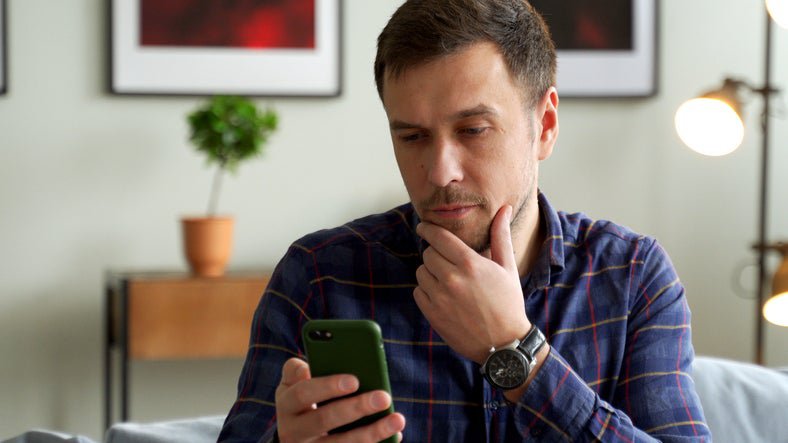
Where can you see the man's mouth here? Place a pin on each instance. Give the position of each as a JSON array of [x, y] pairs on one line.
[[453, 211]]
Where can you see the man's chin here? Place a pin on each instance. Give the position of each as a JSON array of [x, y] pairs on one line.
[[478, 241], [482, 246]]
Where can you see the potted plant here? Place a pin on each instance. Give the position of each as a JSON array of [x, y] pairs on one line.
[[228, 130]]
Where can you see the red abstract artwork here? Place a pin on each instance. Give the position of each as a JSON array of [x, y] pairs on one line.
[[589, 24], [285, 24]]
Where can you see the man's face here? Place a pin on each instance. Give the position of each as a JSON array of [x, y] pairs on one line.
[[464, 141]]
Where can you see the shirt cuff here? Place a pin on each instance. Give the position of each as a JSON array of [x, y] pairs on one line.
[[557, 403]]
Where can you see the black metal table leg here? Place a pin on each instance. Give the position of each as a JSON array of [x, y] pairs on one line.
[[124, 342], [108, 328]]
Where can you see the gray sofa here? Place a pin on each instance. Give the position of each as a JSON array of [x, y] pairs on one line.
[[743, 403]]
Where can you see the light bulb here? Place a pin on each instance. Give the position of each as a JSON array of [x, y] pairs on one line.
[[778, 9], [776, 309], [709, 126]]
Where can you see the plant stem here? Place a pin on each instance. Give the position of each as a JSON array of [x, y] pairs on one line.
[[217, 184]]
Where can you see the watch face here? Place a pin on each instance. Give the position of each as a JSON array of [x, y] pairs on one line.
[[507, 369]]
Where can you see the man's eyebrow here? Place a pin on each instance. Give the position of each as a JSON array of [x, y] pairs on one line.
[[396, 125], [476, 111]]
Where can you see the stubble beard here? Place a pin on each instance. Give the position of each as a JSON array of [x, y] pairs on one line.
[[478, 238]]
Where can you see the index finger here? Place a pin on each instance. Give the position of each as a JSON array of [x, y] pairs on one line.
[[445, 242]]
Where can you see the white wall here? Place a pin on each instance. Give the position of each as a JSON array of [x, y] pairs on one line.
[[90, 181]]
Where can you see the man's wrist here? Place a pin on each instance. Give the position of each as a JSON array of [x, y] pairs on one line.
[[510, 337]]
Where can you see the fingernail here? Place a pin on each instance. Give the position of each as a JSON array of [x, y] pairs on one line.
[[301, 372], [348, 384], [379, 400]]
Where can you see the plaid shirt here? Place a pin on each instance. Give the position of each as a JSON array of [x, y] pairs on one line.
[[608, 301]]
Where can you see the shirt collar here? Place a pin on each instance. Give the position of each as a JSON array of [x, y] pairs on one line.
[[551, 254], [421, 244]]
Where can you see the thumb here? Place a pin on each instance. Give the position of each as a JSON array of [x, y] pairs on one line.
[[501, 249], [294, 371]]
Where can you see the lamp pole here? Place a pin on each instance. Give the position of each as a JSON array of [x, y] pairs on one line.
[[766, 92]]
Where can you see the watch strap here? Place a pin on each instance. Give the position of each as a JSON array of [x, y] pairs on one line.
[[532, 343]]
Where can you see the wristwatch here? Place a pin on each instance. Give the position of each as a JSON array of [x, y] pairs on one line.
[[508, 367]]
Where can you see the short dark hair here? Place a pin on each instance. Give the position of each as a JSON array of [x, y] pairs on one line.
[[421, 31]]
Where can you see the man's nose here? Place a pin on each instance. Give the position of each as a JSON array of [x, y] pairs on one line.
[[445, 163]]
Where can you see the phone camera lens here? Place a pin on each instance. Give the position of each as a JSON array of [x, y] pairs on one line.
[[320, 335]]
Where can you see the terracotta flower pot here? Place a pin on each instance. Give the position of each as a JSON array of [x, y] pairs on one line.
[[207, 243]]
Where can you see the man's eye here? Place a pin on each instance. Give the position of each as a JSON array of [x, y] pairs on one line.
[[473, 131], [412, 137]]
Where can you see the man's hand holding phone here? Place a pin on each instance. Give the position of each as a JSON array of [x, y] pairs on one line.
[[299, 419]]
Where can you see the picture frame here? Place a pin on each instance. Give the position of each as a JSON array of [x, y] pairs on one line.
[[3, 48], [628, 68], [142, 62]]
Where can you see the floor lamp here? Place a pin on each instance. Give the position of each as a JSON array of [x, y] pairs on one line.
[[711, 124]]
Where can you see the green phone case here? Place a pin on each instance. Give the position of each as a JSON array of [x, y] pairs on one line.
[[354, 347]]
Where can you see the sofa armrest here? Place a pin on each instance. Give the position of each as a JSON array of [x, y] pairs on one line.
[[193, 430], [742, 401]]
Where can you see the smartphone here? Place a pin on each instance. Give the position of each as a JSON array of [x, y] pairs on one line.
[[349, 347]]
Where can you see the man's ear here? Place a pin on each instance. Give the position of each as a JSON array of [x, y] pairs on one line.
[[547, 119]]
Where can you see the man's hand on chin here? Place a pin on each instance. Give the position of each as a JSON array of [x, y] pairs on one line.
[[472, 301]]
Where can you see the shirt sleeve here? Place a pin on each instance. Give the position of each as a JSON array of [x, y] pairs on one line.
[[655, 398], [275, 337]]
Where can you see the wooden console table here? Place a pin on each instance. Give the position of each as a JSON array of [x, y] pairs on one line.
[[173, 315]]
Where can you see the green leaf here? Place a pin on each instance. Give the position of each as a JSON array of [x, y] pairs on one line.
[[230, 129]]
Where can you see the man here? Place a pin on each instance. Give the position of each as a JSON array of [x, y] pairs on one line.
[[477, 262]]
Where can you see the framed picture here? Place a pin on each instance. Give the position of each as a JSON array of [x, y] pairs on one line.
[[3, 49], [243, 47], [606, 48]]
